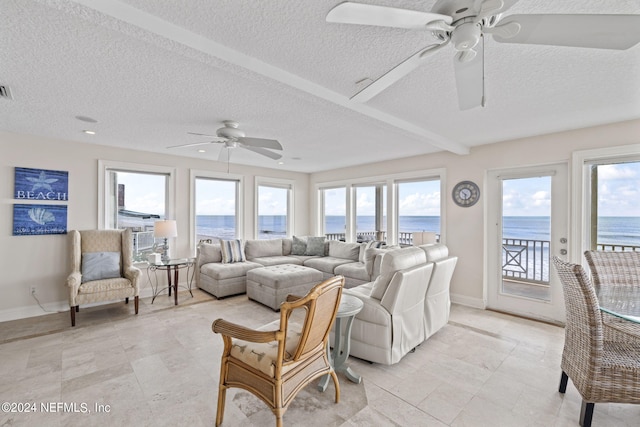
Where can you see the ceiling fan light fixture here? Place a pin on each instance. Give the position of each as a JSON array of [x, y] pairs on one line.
[[466, 36]]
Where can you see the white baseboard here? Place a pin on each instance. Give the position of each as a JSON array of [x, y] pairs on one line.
[[52, 307], [468, 301]]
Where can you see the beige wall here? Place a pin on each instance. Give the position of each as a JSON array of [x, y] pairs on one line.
[[465, 226], [42, 261]]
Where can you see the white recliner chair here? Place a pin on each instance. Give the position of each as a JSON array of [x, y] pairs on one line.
[[438, 302], [392, 321]]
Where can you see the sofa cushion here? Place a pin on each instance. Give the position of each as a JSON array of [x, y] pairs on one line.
[[287, 244], [298, 245], [393, 261], [315, 246], [263, 248], [368, 245], [209, 252], [338, 249], [326, 264], [220, 271], [353, 270], [232, 251], [370, 256], [435, 252]]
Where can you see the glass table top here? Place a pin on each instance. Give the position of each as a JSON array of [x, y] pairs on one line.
[[620, 301], [172, 262]]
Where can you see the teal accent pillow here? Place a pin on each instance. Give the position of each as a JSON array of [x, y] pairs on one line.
[[100, 265], [315, 246], [299, 245]]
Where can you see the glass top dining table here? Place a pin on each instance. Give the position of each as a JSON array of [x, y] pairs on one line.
[[620, 301]]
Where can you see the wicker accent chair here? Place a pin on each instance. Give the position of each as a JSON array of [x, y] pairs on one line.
[[278, 360], [602, 371], [620, 269], [125, 285]]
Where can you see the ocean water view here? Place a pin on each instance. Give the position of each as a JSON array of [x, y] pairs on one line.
[[611, 230]]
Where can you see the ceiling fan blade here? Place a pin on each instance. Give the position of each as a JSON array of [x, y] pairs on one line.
[[274, 156], [202, 134], [368, 14], [261, 142], [191, 145], [470, 78], [396, 73], [590, 31]]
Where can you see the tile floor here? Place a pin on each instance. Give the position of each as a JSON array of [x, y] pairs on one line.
[[161, 368]]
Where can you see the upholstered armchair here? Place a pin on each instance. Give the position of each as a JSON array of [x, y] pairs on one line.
[[278, 360], [101, 268]]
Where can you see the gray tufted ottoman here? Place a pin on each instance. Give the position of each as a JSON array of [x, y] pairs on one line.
[[271, 285]]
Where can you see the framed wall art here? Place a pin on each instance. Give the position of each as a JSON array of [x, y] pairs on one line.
[[41, 184], [35, 219]]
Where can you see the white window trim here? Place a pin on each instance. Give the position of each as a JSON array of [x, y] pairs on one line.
[[581, 193], [198, 173], [390, 181], [106, 166], [287, 184]]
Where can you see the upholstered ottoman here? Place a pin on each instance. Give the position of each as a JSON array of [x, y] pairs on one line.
[[271, 285]]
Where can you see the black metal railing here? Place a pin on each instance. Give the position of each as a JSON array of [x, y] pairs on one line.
[[616, 247], [405, 238], [525, 260]]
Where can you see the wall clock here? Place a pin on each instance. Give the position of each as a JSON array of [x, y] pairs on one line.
[[466, 193]]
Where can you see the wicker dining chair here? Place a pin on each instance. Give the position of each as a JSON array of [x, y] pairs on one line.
[[615, 268], [602, 371], [277, 361]]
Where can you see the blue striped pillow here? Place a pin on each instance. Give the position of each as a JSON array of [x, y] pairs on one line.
[[232, 251]]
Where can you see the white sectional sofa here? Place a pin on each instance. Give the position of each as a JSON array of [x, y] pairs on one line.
[[357, 262]]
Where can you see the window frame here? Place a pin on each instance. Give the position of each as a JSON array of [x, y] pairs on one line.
[[390, 182], [204, 174], [286, 184]]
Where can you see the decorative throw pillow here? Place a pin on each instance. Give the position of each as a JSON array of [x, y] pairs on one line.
[[210, 252], [100, 265], [232, 251], [315, 246], [299, 245]]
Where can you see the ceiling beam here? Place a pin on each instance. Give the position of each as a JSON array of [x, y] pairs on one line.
[[153, 24]]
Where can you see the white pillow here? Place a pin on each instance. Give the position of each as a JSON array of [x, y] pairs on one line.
[[100, 265]]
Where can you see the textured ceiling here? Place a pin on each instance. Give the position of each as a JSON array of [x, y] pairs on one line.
[[152, 70]]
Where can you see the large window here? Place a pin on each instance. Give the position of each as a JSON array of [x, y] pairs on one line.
[[273, 209], [418, 208], [615, 205], [135, 196], [217, 212], [371, 209], [334, 213]]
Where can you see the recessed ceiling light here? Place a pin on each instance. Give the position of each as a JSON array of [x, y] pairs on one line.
[[86, 119], [281, 162], [89, 132], [202, 151]]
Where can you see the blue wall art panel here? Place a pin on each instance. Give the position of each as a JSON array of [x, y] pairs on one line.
[[29, 220], [41, 184]]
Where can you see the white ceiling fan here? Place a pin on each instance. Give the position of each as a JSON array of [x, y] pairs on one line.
[[464, 23], [232, 137]]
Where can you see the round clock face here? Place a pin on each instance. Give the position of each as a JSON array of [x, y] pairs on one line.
[[466, 193]]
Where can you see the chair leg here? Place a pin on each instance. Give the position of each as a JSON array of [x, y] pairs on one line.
[[73, 316], [77, 308], [136, 303], [126, 300], [222, 393], [564, 378], [586, 413], [336, 385]]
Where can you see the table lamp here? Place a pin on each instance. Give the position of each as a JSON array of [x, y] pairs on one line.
[[165, 229], [423, 238]]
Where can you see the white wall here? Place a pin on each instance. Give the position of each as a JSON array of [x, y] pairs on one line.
[[465, 226], [42, 261]]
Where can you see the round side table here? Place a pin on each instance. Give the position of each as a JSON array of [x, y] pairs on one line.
[[349, 307]]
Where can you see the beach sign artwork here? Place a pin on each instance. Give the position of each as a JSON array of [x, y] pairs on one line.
[[31, 220], [41, 184]]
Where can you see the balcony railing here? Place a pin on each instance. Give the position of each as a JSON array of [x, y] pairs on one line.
[[404, 238], [525, 260]]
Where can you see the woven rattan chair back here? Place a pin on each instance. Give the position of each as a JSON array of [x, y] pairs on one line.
[[614, 268]]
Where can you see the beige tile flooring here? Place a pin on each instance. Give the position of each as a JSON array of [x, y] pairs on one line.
[[161, 368]]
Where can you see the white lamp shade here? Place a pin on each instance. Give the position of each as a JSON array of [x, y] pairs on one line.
[[423, 238], [165, 229]]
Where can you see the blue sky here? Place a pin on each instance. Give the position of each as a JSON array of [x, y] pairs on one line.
[[619, 195]]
